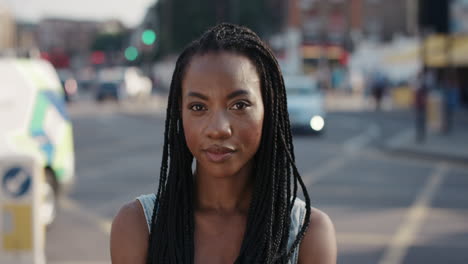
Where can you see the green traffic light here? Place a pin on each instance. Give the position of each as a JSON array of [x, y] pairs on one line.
[[148, 37], [131, 53]]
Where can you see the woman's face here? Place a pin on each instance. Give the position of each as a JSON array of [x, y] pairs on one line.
[[222, 112]]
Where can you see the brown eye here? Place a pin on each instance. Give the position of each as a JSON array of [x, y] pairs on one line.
[[197, 107], [240, 105]]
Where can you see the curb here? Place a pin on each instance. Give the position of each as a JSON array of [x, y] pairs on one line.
[[398, 146], [428, 155], [154, 105]]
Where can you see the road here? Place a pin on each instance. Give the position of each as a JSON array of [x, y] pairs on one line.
[[387, 209]]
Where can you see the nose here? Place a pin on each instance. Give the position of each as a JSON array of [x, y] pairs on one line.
[[219, 126]]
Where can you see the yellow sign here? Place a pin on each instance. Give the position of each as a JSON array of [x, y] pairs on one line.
[[443, 50], [22, 230], [17, 220], [439, 50]]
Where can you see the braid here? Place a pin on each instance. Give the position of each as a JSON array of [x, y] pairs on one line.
[[275, 177]]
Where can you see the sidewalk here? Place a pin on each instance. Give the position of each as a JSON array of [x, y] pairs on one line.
[[155, 104], [451, 147], [341, 101]]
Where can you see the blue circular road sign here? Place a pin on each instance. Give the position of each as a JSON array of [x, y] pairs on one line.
[[16, 182]]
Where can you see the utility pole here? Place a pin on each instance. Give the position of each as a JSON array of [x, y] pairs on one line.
[[411, 16], [293, 38]]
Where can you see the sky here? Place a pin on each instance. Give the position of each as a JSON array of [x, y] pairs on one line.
[[130, 12]]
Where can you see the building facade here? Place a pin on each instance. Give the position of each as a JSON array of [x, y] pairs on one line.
[[73, 37], [336, 21], [7, 29]]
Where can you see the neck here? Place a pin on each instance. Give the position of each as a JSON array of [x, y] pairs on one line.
[[224, 194]]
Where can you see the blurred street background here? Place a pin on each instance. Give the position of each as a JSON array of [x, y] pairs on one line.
[[386, 151]]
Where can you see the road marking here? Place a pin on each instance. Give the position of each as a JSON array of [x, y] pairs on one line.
[[102, 223], [401, 138], [350, 147], [415, 216], [361, 140], [315, 175], [362, 239]]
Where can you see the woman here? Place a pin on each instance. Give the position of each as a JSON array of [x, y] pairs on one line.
[[227, 110]]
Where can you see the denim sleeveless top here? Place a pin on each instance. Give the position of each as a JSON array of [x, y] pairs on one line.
[[297, 219]]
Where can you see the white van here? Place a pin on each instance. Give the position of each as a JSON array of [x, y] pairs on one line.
[[305, 104], [34, 121]]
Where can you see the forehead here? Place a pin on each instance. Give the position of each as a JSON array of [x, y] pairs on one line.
[[220, 70]]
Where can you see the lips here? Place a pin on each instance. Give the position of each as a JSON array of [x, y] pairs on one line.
[[217, 153]]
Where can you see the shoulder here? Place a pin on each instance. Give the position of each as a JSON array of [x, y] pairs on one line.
[[319, 242], [129, 235]]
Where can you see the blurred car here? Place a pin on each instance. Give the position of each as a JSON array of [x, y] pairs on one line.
[[137, 84], [108, 90], [35, 123], [86, 78], [123, 82], [305, 104]]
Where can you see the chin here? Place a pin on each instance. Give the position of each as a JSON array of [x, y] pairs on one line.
[[220, 170]]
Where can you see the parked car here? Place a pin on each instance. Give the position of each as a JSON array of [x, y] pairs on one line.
[[108, 90], [305, 104], [122, 82], [35, 123]]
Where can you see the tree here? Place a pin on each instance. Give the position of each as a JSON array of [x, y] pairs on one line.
[[109, 42], [182, 21]]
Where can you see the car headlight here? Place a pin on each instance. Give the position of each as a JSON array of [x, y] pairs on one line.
[[317, 123]]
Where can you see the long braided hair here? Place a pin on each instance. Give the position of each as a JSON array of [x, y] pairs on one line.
[[275, 176]]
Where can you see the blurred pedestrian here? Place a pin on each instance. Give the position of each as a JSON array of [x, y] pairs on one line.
[[378, 87], [227, 111], [424, 81], [450, 92]]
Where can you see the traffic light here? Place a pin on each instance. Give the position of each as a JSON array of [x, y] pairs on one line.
[[148, 37], [131, 53]]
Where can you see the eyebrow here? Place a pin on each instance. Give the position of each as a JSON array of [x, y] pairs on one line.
[[230, 96], [237, 93], [199, 95]]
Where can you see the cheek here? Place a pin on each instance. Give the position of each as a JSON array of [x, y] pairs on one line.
[[190, 133], [252, 132]]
